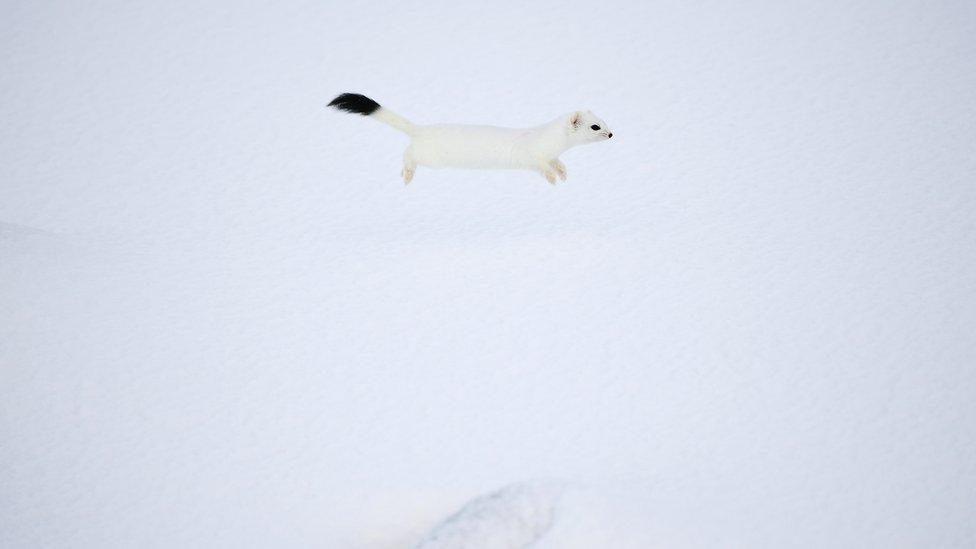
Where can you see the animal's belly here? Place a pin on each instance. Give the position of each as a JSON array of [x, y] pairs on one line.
[[464, 149]]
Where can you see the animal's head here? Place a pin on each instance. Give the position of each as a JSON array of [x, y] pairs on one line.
[[585, 127]]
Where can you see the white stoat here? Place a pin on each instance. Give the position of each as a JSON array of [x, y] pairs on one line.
[[456, 146]]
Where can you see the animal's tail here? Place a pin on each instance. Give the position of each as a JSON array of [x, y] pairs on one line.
[[360, 104]]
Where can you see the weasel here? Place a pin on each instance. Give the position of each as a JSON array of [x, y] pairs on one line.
[[484, 147]]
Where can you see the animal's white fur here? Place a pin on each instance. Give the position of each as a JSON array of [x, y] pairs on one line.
[[483, 147]]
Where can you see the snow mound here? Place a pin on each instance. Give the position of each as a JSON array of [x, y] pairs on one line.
[[515, 516]]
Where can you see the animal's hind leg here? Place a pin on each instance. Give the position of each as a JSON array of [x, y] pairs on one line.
[[409, 167], [407, 173]]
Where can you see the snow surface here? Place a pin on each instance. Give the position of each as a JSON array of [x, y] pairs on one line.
[[516, 516], [746, 321]]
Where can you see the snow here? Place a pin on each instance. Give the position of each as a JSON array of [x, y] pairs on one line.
[[746, 321], [516, 516]]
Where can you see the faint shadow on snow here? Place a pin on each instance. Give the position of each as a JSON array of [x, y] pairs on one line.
[[12, 234], [514, 517], [24, 249]]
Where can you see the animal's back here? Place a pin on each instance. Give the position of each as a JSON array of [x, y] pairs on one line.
[[460, 146]]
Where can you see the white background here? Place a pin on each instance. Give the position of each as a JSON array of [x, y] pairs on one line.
[[746, 321]]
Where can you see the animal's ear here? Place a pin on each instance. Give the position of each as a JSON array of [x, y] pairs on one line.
[[576, 119]]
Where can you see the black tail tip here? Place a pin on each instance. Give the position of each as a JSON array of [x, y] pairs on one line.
[[354, 102]]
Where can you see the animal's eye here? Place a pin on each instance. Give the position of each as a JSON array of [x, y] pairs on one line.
[[594, 127]]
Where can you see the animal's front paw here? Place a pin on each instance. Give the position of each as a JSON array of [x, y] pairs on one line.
[[407, 175], [550, 176], [560, 169]]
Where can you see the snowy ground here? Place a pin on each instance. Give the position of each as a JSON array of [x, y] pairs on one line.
[[746, 321]]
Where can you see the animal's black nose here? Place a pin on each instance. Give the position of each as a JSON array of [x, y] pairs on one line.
[[609, 135]]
